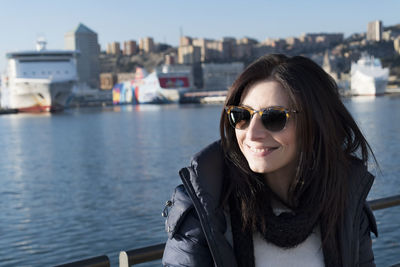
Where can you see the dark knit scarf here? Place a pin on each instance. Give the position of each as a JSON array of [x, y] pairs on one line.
[[286, 230]]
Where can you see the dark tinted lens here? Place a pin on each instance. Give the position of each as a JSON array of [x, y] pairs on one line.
[[274, 120], [239, 118]]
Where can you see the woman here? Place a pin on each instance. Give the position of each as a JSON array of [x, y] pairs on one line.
[[287, 183]]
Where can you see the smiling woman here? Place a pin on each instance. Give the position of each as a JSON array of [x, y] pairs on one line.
[[287, 183]]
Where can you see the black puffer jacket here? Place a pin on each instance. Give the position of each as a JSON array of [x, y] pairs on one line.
[[196, 224]]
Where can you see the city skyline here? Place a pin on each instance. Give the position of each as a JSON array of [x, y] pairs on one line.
[[22, 23]]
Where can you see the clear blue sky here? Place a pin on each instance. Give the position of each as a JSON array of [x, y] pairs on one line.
[[22, 21]]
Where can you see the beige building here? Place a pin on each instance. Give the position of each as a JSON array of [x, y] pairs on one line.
[[170, 59], [202, 43], [130, 48], [247, 40], [374, 31], [146, 44], [185, 41], [113, 48], [396, 44], [215, 50], [276, 43], [226, 49], [292, 41], [189, 54]]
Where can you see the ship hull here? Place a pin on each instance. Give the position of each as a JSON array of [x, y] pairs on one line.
[[40, 95], [362, 84]]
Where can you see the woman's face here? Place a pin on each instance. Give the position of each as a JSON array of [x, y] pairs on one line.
[[268, 152]]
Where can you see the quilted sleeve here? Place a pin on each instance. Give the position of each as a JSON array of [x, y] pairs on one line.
[[186, 244]]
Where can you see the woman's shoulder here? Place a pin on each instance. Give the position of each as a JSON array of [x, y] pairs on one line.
[[205, 176], [359, 175], [211, 153]]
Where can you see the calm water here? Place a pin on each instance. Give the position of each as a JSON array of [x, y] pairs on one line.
[[93, 181]]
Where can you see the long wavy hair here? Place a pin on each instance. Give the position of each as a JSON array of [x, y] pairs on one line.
[[327, 135]]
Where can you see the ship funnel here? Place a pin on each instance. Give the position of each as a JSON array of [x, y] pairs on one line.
[[41, 44]]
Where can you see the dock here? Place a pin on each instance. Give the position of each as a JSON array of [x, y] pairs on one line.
[[204, 97], [392, 90]]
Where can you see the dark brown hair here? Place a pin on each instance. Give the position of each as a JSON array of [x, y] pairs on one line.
[[327, 135]]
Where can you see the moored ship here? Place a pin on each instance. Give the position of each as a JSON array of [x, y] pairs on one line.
[[40, 80], [368, 77], [164, 85]]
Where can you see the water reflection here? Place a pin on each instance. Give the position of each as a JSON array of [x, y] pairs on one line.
[[93, 181], [362, 99]]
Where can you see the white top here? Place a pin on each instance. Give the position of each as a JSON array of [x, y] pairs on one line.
[[307, 254]]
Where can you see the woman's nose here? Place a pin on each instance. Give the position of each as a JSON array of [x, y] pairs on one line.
[[256, 129]]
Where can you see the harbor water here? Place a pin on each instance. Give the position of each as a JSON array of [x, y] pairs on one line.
[[93, 181]]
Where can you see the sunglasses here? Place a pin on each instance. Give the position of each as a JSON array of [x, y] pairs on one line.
[[274, 119]]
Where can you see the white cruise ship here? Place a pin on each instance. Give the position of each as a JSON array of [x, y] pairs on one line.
[[368, 77], [40, 80]]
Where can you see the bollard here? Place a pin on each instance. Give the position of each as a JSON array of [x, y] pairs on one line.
[[135, 256]]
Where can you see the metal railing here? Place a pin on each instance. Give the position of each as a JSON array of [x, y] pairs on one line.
[[155, 252], [383, 203], [101, 261]]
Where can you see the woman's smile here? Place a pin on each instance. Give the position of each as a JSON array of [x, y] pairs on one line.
[[261, 151]]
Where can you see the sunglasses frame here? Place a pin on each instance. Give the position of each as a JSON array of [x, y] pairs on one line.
[[229, 108]]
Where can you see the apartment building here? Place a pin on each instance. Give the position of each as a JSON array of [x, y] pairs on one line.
[[130, 48], [146, 45], [113, 48], [189, 54], [374, 31], [185, 41], [396, 44]]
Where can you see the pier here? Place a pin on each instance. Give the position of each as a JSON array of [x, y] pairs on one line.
[[204, 97], [155, 252]]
